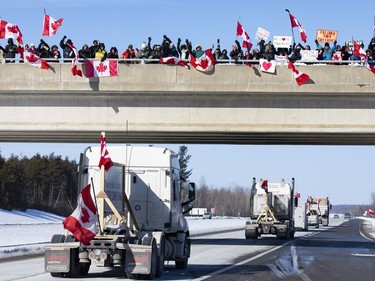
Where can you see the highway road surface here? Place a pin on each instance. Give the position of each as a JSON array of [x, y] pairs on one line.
[[328, 253]]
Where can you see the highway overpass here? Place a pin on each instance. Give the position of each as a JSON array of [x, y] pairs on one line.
[[154, 103]]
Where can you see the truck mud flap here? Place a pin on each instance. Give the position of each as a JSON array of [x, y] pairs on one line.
[[57, 260], [138, 259]]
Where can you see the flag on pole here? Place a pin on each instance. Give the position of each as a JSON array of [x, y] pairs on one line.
[[105, 158], [174, 61], [371, 212], [98, 68], [295, 23], [32, 59], [300, 77], [246, 43], [359, 51], [264, 185], [75, 70], [205, 63], [9, 30], [50, 25], [82, 222]]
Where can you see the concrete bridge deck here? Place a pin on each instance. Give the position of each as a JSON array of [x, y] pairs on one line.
[[153, 103]]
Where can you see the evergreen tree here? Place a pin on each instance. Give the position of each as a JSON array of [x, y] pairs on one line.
[[183, 159]]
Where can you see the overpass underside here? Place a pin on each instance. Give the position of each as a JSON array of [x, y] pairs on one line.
[[170, 104]]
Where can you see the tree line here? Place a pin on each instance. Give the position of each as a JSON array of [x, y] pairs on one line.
[[47, 183]]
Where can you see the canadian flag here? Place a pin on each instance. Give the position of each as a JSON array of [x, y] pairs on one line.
[[205, 63], [174, 61], [9, 30], [32, 59], [370, 67], [300, 77], [246, 43], [50, 25], [82, 222], [105, 159], [267, 66], [264, 185], [295, 23], [74, 69], [98, 68], [371, 212], [337, 56], [358, 51]]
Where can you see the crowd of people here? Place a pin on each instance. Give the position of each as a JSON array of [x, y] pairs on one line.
[[183, 50]]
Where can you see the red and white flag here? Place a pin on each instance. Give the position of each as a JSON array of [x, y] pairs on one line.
[[75, 70], [359, 51], [267, 66], [205, 63], [105, 159], [98, 68], [246, 43], [295, 23], [371, 212], [370, 67], [9, 30], [82, 222], [264, 185], [174, 61], [300, 77], [32, 59], [50, 25]]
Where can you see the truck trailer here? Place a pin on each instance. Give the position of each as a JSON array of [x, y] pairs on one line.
[[141, 221], [271, 210], [322, 208]]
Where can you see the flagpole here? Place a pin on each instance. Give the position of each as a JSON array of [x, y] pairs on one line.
[[96, 205], [294, 42], [374, 25]]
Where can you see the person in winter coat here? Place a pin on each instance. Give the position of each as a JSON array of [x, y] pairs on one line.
[[55, 53], [113, 53], [67, 50], [145, 50], [236, 52], [224, 55], [183, 49], [10, 51], [43, 49], [85, 52], [327, 50]]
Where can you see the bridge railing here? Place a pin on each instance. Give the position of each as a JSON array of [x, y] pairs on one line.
[[227, 61]]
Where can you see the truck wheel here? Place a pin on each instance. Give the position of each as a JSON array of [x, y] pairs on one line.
[[160, 264], [182, 263]]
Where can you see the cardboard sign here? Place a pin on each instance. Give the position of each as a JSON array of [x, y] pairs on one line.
[[282, 41], [262, 34], [267, 66], [281, 58], [309, 54], [350, 44], [323, 35]]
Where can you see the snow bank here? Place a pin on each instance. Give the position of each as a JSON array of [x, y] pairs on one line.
[[26, 233]]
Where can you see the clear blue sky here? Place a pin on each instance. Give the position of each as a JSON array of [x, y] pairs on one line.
[[344, 173]]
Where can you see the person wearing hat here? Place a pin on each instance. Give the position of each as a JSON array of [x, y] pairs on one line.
[[327, 51], [32, 49], [10, 51], [55, 53], [67, 50], [129, 53], [183, 49], [145, 50], [43, 49]]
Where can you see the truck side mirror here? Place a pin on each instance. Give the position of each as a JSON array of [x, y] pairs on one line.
[[191, 188], [295, 201]]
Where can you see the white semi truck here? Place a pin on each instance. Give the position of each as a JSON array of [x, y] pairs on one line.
[[300, 217], [271, 210], [321, 207], [140, 215]]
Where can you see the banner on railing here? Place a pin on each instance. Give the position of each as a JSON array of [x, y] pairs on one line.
[[309, 54]]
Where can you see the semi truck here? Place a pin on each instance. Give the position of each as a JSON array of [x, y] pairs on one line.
[[141, 204], [271, 210], [300, 217], [321, 207]]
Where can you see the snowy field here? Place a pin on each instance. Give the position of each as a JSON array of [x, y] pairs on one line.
[[26, 233]]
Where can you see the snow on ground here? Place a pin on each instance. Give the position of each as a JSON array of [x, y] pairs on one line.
[[26, 233]]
